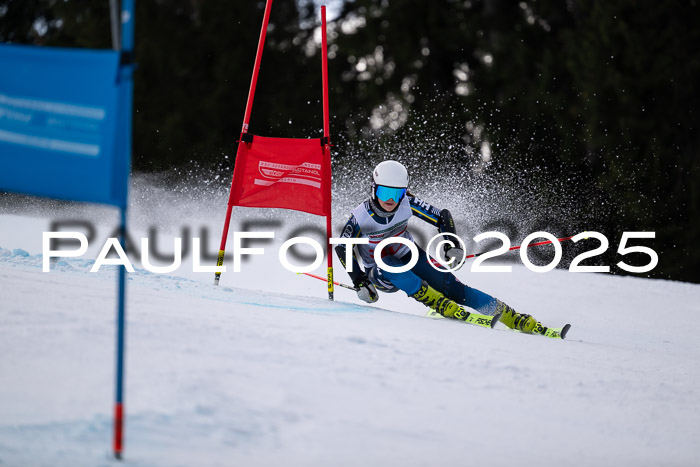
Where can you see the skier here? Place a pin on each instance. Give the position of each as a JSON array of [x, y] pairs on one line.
[[386, 214]]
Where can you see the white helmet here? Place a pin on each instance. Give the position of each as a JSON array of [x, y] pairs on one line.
[[390, 173], [389, 181]]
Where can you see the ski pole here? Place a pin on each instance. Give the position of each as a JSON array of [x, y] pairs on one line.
[[563, 239], [434, 261], [339, 284]]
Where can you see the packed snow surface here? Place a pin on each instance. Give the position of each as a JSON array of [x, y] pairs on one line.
[[265, 371]]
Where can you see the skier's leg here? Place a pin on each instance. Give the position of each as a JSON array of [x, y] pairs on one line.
[[448, 284], [392, 281], [414, 287]]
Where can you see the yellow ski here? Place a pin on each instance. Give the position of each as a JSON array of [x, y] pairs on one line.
[[471, 318]]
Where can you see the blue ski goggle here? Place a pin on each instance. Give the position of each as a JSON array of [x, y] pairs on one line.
[[385, 193]]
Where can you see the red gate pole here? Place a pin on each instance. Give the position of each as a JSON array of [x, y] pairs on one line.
[[324, 64], [327, 149], [244, 130]]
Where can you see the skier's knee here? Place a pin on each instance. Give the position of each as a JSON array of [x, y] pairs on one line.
[[392, 262], [381, 282]]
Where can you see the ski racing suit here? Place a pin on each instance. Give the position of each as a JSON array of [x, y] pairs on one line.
[[368, 220]]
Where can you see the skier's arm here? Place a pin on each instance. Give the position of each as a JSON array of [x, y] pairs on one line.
[[425, 211], [365, 290], [440, 218], [351, 230], [446, 223]]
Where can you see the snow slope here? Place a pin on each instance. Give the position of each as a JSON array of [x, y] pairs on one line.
[[263, 370]]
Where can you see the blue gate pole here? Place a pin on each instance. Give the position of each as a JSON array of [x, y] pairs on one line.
[[121, 322], [125, 104]]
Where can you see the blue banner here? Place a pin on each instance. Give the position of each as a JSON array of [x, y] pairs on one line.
[[63, 124]]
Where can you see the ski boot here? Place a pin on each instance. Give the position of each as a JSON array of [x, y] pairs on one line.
[[513, 320], [438, 302]]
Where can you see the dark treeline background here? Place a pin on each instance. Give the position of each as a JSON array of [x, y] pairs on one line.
[[606, 91]]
